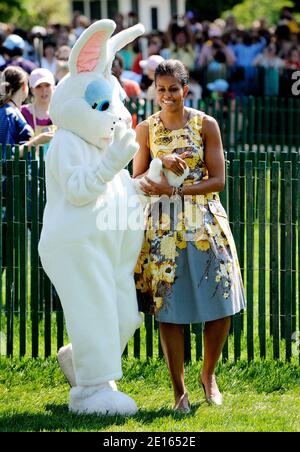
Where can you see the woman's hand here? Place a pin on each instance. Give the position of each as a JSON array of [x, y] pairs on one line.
[[175, 163], [42, 138], [152, 188]]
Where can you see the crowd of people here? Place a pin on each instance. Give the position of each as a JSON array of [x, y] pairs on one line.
[[223, 58]]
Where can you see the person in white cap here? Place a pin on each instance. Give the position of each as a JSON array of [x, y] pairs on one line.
[[41, 82], [14, 128]]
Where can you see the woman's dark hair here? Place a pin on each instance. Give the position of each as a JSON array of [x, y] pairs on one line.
[[12, 78], [172, 68]]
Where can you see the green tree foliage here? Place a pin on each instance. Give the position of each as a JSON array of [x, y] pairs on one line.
[[250, 10], [210, 10], [8, 8], [27, 13]]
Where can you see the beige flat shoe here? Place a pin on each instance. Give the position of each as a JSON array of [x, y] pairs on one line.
[[216, 399]]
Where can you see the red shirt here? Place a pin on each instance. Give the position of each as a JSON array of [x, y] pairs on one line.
[[292, 64], [136, 64], [131, 87]]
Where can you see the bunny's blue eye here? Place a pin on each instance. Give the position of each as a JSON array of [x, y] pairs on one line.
[[98, 95], [104, 105], [101, 106]]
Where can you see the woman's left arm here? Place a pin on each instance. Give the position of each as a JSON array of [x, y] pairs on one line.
[[214, 161]]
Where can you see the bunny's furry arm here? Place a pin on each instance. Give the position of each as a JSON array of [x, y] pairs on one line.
[[74, 165]]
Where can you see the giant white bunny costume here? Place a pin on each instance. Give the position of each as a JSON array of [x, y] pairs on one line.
[[90, 267]]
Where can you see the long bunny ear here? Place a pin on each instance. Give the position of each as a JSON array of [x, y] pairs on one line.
[[90, 50], [120, 40]]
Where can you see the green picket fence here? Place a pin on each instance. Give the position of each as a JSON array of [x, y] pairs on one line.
[[267, 121], [263, 203]]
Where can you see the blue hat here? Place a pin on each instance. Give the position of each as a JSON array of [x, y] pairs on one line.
[[13, 42], [220, 85]]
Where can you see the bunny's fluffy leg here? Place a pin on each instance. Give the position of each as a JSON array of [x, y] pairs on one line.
[[129, 319], [88, 294], [85, 282]]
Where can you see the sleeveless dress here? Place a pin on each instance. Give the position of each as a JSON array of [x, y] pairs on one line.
[[188, 269]]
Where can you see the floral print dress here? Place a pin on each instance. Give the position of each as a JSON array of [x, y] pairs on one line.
[[188, 270]]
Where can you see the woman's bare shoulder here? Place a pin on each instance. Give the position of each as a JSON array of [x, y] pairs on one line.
[[193, 112], [209, 121], [210, 128], [142, 130], [143, 126]]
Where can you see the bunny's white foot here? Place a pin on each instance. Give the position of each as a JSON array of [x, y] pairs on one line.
[[64, 358], [100, 399]]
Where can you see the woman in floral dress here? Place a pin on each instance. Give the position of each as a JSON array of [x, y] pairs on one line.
[[188, 270]]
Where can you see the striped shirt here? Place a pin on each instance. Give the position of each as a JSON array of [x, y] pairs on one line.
[[13, 127]]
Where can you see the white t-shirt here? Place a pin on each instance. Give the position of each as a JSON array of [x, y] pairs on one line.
[[50, 66]]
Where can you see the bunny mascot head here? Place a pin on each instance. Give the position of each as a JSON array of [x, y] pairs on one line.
[[89, 102], [92, 267]]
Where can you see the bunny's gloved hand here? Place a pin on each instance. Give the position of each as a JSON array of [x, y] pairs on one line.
[[119, 153]]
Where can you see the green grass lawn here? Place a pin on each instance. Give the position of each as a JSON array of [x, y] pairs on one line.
[[258, 396]]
